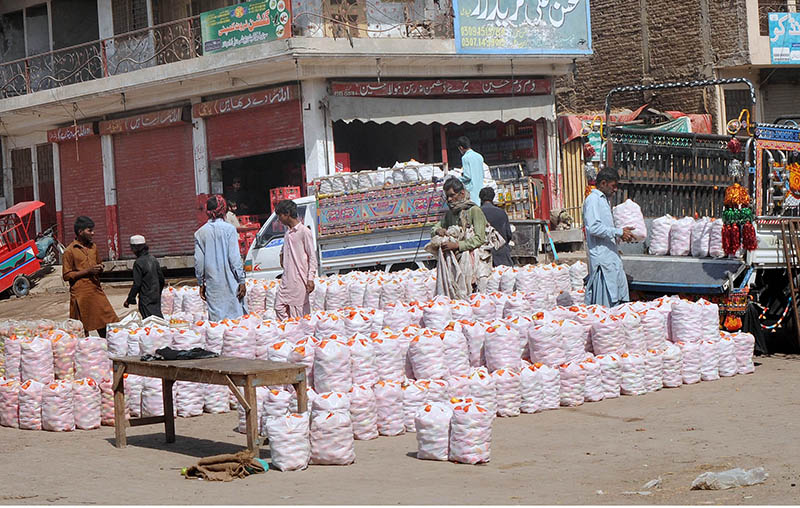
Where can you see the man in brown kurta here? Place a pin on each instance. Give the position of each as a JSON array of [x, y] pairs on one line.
[[81, 268]]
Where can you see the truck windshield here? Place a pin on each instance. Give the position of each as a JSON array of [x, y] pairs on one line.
[[273, 229]]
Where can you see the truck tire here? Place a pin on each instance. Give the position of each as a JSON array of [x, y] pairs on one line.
[[21, 286]]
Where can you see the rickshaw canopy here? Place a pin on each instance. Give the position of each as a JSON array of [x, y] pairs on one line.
[[22, 209]]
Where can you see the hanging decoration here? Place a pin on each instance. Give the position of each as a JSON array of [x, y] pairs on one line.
[[737, 218], [794, 179], [734, 145]]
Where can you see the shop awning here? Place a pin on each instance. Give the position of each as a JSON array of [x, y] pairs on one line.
[[428, 111]]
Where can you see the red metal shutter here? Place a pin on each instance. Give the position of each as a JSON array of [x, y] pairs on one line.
[[82, 189], [256, 131], [47, 191], [156, 189], [22, 174]]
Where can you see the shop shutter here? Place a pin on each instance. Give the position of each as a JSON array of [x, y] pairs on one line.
[[780, 100], [82, 189], [254, 132], [156, 189], [47, 192], [22, 174]]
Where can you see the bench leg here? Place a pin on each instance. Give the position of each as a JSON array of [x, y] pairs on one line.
[[302, 395], [120, 439], [252, 416], [169, 412]]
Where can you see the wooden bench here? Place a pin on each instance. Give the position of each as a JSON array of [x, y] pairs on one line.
[[225, 371]]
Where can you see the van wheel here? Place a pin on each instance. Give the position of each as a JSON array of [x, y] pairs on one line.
[[21, 286]]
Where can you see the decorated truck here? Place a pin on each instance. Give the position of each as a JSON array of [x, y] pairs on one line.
[[366, 220]]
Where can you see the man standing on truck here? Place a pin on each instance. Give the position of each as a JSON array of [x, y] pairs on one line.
[[218, 264], [472, 240], [471, 168], [606, 284], [81, 267], [299, 262]]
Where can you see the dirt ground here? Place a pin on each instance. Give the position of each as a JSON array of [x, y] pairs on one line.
[[592, 454]]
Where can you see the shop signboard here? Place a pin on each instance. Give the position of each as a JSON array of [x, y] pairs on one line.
[[539, 27], [784, 37], [245, 24]]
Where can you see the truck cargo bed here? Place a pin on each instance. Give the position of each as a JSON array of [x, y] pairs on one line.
[[681, 274]]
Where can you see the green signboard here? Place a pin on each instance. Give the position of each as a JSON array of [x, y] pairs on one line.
[[245, 24], [538, 27]]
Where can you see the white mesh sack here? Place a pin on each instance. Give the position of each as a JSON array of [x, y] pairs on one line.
[[187, 338], [573, 384], [216, 399], [611, 372], [516, 305], [332, 370], [91, 359], [261, 397], [482, 389], [279, 352], [277, 402], [265, 335], [389, 357], [593, 390], [415, 394], [709, 366], [436, 314], [671, 365], [432, 424], [362, 361], [215, 336], [289, 441], [502, 347], [573, 340], [9, 403], [189, 398], [631, 325], [727, 357], [389, 401], [632, 382], [471, 434], [475, 333], [500, 300], [256, 297], [57, 407], [629, 214], [531, 394], [372, 295], [117, 340], [460, 311], [376, 317], [653, 371], [483, 308], [680, 237], [133, 396], [363, 412], [396, 316], [508, 277], [36, 360], [710, 319], [328, 324], [493, 283], [526, 281], [659, 235], [303, 354], [521, 325], [701, 235], [456, 352], [357, 322], [332, 437], [551, 386], [692, 362], [509, 392], [457, 386], [152, 399], [30, 405], [415, 289], [745, 342], [167, 300], [607, 336], [654, 328], [290, 331], [686, 322], [546, 344], [317, 297], [715, 249], [392, 291], [336, 296], [13, 349], [577, 273], [269, 300], [438, 390]]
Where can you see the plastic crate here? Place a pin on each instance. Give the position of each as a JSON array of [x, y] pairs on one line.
[[278, 194]]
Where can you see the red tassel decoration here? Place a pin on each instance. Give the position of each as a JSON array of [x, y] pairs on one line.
[[730, 238], [749, 240]]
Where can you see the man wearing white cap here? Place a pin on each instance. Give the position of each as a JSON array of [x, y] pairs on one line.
[[148, 280]]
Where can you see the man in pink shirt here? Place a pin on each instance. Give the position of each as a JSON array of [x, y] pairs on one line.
[[299, 262]]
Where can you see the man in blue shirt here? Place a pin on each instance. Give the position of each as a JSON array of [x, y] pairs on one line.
[[607, 284], [472, 169]]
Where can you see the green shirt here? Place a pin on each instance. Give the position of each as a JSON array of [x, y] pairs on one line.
[[475, 217]]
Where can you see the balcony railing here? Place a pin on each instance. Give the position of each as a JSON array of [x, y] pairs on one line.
[[156, 45]]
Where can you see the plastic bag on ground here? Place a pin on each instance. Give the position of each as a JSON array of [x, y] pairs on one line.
[[632, 382], [30, 405], [363, 412], [9, 403], [680, 237], [701, 234], [389, 400], [470, 434], [289, 441], [659, 235], [432, 424], [611, 373], [736, 477], [57, 407], [629, 214], [509, 392]]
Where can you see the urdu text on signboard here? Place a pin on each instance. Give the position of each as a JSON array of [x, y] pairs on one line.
[[534, 27], [245, 24], [784, 37]]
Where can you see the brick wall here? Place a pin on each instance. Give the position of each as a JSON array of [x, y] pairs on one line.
[[675, 45]]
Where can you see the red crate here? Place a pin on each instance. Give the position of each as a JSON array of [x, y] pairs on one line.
[[278, 194]]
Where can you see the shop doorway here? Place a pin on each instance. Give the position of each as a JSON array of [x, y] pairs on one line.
[[371, 145], [257, 175]]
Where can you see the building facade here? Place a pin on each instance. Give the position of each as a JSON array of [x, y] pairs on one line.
[[135, 121]]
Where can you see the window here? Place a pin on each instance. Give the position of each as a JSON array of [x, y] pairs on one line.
[[129, 15], [351, 12], [274, 228], [37, 29], [735, 102], [764, 8]]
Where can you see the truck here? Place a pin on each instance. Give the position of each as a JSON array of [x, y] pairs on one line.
[[687, 174], [371, 220]]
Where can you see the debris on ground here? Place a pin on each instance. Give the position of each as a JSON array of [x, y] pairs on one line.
[[736, 477]]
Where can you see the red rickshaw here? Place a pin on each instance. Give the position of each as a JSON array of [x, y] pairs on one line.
[[18, 252]]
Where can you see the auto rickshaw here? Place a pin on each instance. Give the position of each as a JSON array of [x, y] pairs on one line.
[[18, 252]]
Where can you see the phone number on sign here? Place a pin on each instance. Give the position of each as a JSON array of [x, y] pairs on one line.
[[482, 42]]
